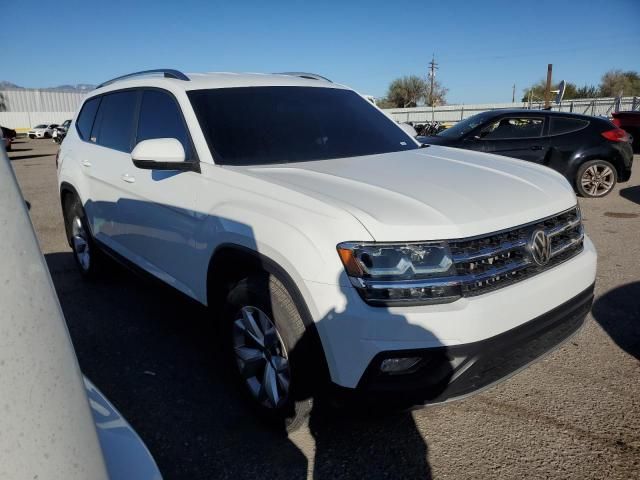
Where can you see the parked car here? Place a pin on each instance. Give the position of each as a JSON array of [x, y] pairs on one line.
[[44, 130], [8, 132], [630, 123], [60, 131], [56, 423], [592, 153], [6, 136], [6, 141], [337, 254]]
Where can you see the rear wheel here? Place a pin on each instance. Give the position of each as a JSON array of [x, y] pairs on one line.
[[596, 178], [87, 257], [263, 331]]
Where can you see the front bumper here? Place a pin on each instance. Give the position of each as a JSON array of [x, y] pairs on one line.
[[448, 373], [353, 333]]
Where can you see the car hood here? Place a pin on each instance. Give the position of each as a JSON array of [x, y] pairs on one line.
[[431, 193]]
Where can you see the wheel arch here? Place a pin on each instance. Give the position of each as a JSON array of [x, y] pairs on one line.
[[612, 157], [232, 262]]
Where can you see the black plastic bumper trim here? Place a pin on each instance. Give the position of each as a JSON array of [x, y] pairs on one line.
[[448, 373]]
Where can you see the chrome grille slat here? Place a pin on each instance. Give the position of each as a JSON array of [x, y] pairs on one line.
[[489, 252], [475, 259]]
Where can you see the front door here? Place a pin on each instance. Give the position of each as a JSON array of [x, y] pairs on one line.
[[159, 220]]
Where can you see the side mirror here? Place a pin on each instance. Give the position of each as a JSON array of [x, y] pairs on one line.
[[162, 154]]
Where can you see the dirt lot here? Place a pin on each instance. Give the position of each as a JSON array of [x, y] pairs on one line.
[[576, 414]]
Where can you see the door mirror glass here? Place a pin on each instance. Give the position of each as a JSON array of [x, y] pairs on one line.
[[160, 154]]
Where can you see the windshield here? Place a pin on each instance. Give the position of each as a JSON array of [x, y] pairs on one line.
[[40, 126], [268, 125], [465, 126]]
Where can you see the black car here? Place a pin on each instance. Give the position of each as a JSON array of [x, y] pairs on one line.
[[592, 153], [8, 132]]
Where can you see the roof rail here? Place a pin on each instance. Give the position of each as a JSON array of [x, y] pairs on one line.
[[310, 76], [167, 73]]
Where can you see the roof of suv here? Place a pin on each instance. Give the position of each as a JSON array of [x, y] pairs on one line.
[[202, 81]]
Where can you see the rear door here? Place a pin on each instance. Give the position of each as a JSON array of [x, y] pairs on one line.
[[517, 136], [104, 157], [566, 139]]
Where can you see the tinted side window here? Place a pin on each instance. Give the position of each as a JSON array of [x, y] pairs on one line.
[[513, 127], [86, 117], [561, 125], [160, 117], [113, 127]]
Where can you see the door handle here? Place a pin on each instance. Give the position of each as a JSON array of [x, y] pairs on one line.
[[537, 147], [86, 163], [128, 178]]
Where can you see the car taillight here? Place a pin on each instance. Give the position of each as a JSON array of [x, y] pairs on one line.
[[616, 135]]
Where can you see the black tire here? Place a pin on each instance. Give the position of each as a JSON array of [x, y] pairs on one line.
[[32, 137], [9, 148], [90, 260], [590, 184], [266, 293]]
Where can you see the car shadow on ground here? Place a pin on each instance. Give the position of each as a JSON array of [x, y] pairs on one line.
[[631, 193], [618, 313], [15, 158], [157, 356]]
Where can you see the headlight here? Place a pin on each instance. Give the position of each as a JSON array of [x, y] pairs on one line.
[[401, 274]]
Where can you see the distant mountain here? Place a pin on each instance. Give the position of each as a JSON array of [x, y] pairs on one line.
[[5, 84], [81, 87]]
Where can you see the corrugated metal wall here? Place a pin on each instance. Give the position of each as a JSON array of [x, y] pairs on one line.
[[28, 107], [31, 100]]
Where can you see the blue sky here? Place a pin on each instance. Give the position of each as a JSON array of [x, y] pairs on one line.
[[482, 47]]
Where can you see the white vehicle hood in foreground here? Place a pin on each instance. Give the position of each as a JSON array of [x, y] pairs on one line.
[[430, 193]]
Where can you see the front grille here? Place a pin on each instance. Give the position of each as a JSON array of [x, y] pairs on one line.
[[493, 261]]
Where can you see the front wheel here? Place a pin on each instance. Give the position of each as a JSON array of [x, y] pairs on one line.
[[596, 178], [263, 333]]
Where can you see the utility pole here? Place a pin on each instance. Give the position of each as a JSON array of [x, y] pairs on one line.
[[547, 90], [433, 66], [513, 94]]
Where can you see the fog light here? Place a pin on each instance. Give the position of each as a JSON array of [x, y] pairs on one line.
[[396, 366]]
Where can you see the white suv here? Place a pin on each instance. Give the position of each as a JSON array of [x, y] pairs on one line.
[[333, 249]]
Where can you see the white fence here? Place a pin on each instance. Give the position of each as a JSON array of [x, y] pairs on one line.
[[455, 113], [29, 107]]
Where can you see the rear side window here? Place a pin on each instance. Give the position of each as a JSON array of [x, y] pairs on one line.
[[113, 127], [562, 125], [86, 117], [513, 128], [160, 117]]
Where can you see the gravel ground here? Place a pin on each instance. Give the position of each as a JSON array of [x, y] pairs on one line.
[[576, 414]]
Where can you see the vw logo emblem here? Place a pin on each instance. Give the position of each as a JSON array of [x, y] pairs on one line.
[[540, 247]]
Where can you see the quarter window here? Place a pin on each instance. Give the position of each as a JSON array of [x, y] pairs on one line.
[[113, 127], [512, 127], [160, 117], [562, 125], [86, 117]]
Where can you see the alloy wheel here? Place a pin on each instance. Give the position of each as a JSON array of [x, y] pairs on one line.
[[598, 180], [80, 244], [261, 357]]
